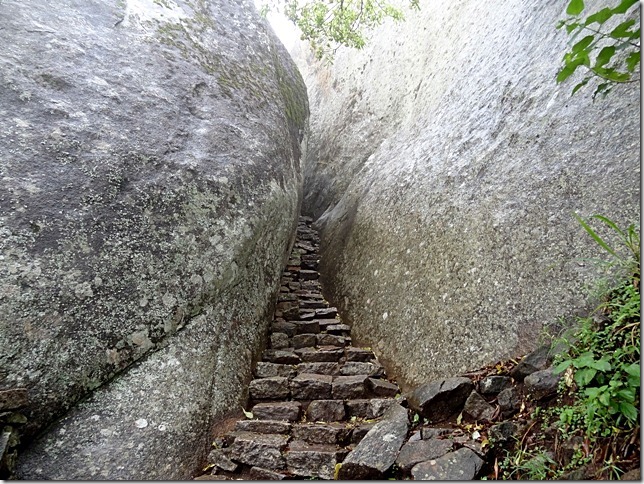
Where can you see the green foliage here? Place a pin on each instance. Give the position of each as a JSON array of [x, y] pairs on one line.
[[603, 360], [611, 55], [328, 24]]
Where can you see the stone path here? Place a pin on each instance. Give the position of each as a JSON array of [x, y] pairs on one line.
[[315, 396]]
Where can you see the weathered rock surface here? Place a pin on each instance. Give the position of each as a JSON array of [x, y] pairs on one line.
[[542, 384], [148, 167], [377, 451], [437, 400], [460, 465], [443, 169]]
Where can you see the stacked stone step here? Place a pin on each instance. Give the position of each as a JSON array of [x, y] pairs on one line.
[[314, 396]]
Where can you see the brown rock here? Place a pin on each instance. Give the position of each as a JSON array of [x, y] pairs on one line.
[[273, 388], [311, 386], [421, 450], [359, 354], [315, 433], [324, 353], [304, 340], [13, 399], [279, 341], [289, 411], [321, 367], [312, 460], [263, 450], [382, 388], [325, 339], [260, 474], [326, 410], [263, 426]]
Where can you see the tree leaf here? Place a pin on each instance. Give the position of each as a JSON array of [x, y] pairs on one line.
[[583, 43], [561, 367], [604, 56], [632, 60], [600, 17], [575, 7], [584, 376], [628, 410], [633, 369], [621, 31], [624, 6], [580, 85]]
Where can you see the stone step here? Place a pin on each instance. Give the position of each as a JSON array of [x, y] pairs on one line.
[[326, 411], [311, 386], [349, 387], [333, 433], [264, 369], [286, 411], [263, 426], [323, 353], [281, 356], [359, 354], [263, 450], [271, 388], [313, 460]]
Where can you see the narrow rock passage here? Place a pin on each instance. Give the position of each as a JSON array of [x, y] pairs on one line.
[[315, 396]]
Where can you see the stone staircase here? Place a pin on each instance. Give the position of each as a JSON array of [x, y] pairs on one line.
[[314, 396]]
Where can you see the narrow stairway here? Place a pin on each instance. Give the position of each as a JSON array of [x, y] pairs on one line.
[[314, 396]]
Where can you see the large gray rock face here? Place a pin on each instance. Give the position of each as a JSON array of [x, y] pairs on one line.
[[150, 183], [444, 166]]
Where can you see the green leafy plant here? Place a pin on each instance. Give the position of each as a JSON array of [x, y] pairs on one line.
[[609, 54], [603, 359], [328, 24]]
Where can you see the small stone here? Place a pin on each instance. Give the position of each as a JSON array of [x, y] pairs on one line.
[[360, 408], [438, 400], [13, 399], [308, 275], [141, 423], [311, 386], [494, 384], [273, 388], [263, 450], [422, 450], [326, 313], [432, 432], [321, 367], [338, 329], [325, 353], [307, 327], [281, 356], [219, 457], [535, 361], [349, 387], [289, 411], [285, 327], [415, 436], [266, 370], [279, 341], [320, 433], [509, 400], [306, 315], [311, 460], [359, 354], [326, 410], [504, 431], [263, 426], [359, 432], [542, 384], [461, 465], [381, 405], [325, 339], [312, 304], [382, 388], [260, 474], [304, 340], [477, 408], [361, 368]]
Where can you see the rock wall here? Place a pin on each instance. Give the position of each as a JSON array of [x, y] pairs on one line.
[[150, 183], [444, 167]]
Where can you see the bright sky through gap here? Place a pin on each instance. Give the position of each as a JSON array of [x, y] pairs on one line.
[[283, 27]]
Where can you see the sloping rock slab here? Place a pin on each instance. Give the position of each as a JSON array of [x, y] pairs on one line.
[[422, 450], [377, 451], [437, 400], [461, 465]]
